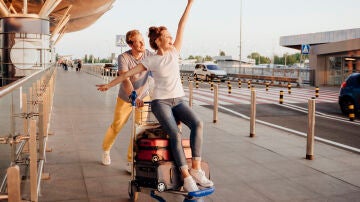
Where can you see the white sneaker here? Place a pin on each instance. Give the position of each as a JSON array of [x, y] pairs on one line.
[[106, 160], [200, 178], [190, 184], [128, 167]]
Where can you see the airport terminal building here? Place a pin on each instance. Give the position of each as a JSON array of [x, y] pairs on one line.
[[333, 55]]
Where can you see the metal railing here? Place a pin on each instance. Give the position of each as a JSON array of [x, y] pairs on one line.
[[25, 107], [302, 75]]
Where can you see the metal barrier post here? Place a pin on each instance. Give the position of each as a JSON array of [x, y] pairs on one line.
[[229, 87], [253, 113], [13, 183], [317, 91], [281, 99], [33, 161], [216, 96], [351, 112], [311, 130], [190, 93], [289, 88]]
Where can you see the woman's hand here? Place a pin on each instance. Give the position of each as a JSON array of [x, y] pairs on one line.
[[139, 102], [103, 87]]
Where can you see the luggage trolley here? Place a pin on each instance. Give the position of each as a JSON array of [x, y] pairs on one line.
[[137, 184]]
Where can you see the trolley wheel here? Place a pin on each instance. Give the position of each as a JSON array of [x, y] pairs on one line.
[[133, 191], [161, 187], [155, 158]]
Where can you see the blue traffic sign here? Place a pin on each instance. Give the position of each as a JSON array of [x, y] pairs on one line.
[[305, 49]]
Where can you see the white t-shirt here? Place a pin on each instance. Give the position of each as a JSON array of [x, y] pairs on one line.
[[166, 73]]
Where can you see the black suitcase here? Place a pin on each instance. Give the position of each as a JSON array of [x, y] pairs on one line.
[[162, 175]]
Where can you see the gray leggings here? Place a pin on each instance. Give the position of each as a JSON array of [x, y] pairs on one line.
[[168, 112]]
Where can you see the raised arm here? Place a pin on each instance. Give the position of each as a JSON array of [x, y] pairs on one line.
[[137, 69], [181, 26]]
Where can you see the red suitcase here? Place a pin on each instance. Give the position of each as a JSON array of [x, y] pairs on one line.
[[158, 149]]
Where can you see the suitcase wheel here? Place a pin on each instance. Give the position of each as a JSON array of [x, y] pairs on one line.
[[133, 190], [161, 187], [155, 158]]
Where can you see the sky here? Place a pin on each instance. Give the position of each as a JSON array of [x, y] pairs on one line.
[[214, 25]]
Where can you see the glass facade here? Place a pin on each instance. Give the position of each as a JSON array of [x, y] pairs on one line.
[[24, 47], [340, 67]]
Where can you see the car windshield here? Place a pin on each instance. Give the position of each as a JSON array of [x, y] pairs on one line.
[[213, 67]]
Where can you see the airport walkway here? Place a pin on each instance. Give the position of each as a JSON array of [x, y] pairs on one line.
[[269, 167]]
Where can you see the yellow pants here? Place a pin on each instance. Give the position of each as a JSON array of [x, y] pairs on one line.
[[121, 115]]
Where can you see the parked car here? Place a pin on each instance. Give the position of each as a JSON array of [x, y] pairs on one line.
[[110, 69], [209, 72], [350, 93]]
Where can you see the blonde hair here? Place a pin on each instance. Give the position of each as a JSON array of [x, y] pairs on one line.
[[130, 34]]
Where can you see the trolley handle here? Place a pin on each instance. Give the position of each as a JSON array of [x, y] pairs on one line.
[[132, 98]]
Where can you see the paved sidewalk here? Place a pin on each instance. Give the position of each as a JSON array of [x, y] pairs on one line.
[[269, 167]]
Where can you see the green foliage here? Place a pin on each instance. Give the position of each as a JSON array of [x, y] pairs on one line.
[[290, 59], [208, 58]]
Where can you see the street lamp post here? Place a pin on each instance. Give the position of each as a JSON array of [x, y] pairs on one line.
[[240, 35]]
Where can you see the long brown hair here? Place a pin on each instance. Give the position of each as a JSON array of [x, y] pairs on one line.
[[154, 33]]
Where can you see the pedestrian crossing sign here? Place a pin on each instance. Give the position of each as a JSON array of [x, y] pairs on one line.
[[305, 49], [120, 40]]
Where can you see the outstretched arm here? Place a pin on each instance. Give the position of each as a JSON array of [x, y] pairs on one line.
[[181, 26], [137, 69]]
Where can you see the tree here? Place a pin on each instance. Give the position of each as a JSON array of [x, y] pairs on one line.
[[199, 58], [222, 53], [208, 58], [255, 56]]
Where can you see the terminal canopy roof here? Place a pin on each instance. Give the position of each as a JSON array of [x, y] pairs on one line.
[[65, 15]]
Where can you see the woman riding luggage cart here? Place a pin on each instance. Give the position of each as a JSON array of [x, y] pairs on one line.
[[153, 166]]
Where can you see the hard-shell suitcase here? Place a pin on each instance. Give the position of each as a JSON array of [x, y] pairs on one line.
[[158, 149], [162, 175]]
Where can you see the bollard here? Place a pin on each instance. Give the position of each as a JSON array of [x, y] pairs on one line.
[[317, 91], [211, 86], [311, 130], [267, 86], [239, 82], [229, 88], [289, 88], [281, 100], [190, 93], [216, 95], [182, 79], [351, 112], [249, 83], [253, 113], [197, 84]]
